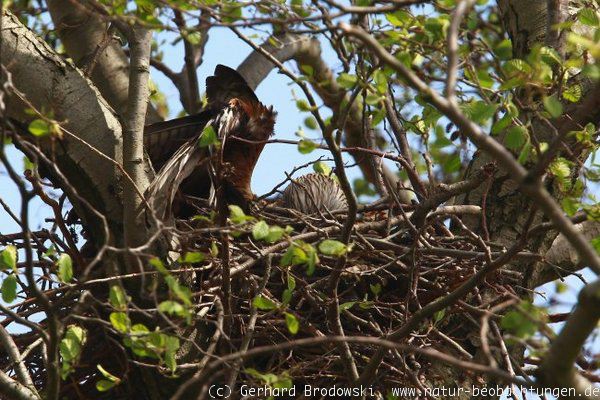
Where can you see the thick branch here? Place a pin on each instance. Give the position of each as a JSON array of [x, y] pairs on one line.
[[564, 256], [558, 369], [256, 67], [15, 356], [133, 136], [83, 33], [90, 150], [13, 390]]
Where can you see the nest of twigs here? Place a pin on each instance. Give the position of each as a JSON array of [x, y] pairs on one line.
[[390, 271]]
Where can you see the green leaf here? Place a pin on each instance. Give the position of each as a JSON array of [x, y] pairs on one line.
[[292, 323], [312, 261], [72, 343], [393, 19], [237, 215], [260, 230], [171, 346], [516, 66], [107, 374], [365, 305], [322, 168], [437, 26], [183, 293], [589, 17], [308, 70], [596, 244], [553, 106], [173, 308], [381, 82], [561, 168], [572, 93], [193, 257], [50, 252], [332, 247], [346, 306], [452, 164], [525, 153], [306, 146], [275, 233], [120, 321], [139, 328], [208, 137], [194, 37], [550, 56], [203, 218], [262, 303], [9, 288], [117, 297], [104, 385], [300, 253], [512, 83], [480, 111], [592, 72], [214, 249], [516, 137], [294, 256], [310, 122], [303, 105], [501, 124], [29, 165], [287, 293], [561, 287], [158, 264], [286, 297], [522, 323], [39, 128], [347, 81], [291, 282], [70, 349], [65, 268], [439, 315], [362, 187], [503, 50], [8, 258], [232, 11], [570, 206], [375, 289], [373, 99]]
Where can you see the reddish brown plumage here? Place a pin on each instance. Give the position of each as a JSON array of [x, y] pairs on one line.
[[233, 110]]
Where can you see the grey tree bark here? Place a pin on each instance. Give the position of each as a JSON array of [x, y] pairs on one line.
[[89, 43], [90, 151]]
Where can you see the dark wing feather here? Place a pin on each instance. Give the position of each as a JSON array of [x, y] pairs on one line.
[[227, 84], [162, 139], [173, 146], [162, 191]]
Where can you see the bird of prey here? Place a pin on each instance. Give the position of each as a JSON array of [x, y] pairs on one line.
[[314, 193], [234, 112]]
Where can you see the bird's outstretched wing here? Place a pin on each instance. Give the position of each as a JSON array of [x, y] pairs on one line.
[[234, 112], [179, 167], [162, 139]]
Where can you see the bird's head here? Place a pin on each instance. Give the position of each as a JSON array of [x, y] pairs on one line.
[[255, 121]]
